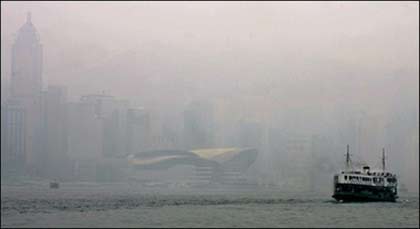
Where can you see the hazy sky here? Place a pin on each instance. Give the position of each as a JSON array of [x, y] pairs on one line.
[[325, 52]]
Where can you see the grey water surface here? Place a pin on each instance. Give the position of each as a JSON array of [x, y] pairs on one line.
[[123, 205]]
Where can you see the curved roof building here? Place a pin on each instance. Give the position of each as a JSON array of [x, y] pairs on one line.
[[211, 164], [229, 158]]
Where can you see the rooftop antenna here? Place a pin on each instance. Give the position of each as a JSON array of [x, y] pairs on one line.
[[383, 159]]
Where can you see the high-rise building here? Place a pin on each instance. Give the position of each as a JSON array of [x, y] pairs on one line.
[[5, 90], [97, 129], [113, 113], [26, 86], [199, 125], [55, 132], [12, 138], [249, 134], [26, 80], [138, 130], [85, 139]]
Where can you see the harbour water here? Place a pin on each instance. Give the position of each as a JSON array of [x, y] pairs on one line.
[[116, 205]]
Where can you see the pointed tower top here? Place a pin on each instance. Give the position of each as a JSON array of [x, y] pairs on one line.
[[28, 17]]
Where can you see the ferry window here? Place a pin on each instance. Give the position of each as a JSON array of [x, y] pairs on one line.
[[345, 177]]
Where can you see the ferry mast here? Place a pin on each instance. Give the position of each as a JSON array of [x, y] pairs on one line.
[[383, 159], [347, 158]]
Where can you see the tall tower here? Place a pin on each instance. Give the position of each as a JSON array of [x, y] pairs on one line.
[[26, 80], [26, 90]]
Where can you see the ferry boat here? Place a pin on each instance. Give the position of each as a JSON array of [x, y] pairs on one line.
[[365, 184]]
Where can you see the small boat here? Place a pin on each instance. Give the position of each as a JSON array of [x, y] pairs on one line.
[[365, 184], [54, 185]]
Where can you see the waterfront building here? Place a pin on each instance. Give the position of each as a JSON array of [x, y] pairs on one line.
[[199, 125], [13, 154], [138, 130], [55, 132], [249, 134], [113, 114]]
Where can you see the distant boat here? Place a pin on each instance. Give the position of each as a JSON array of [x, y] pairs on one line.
[[54, 184], [365, 184]]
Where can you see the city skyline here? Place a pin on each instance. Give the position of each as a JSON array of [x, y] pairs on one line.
[[300, 102], [209, 114]]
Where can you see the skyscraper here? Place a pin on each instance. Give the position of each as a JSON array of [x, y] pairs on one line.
[[199, 125], [26, 80], [55, 132], [26, 86], [12, 138], [138, 130]]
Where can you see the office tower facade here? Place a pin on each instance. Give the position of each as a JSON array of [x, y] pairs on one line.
[[138, 130], [12, 138], [55, 132], [199, 125]]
